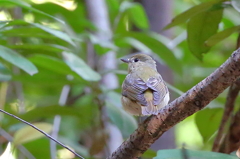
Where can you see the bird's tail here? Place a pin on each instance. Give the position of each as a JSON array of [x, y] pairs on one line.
[[150, 108]]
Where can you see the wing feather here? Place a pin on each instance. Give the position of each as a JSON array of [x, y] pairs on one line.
[[159, 89], [134, 89]]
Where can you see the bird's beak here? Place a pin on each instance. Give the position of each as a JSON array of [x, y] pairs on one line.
[[125, 60]]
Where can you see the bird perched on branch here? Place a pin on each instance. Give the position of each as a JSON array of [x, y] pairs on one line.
[[143, 91]]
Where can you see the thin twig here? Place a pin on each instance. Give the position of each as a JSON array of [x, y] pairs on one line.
[[232, 140], [50, 137], [229, 105], [184, 152]]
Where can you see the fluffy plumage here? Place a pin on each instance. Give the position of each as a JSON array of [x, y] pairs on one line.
[[143, 91]]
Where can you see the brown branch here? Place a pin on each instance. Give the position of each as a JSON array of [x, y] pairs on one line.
[[232, 139], [229, 105], [228, 112], [192, 101]]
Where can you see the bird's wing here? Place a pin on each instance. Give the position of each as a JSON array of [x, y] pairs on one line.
[[134, 88], [159, 89]]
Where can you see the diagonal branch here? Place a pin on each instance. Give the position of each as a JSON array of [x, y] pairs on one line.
[[192, 101]]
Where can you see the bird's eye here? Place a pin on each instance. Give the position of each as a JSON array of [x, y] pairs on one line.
[[136, 60]]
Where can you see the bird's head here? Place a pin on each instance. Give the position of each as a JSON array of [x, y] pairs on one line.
[[140, 60]]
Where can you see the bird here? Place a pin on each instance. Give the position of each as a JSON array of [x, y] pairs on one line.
[[144, 92]]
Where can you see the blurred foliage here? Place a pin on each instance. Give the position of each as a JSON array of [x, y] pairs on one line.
[[45, 47], [181, 153]]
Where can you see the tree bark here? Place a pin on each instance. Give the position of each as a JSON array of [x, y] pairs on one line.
[[97, 11], [227, 114], [192, 101]]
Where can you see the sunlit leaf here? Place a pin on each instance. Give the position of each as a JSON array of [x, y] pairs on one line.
[[134, 9], [28, 7], [17, 60], [27, 133], [208, 121], [80, 67], [236, 4], [201, 27], [34, 30], [238, 152], [56, 33], [183, 17], [178, 154], [8, 153], [213, 40]]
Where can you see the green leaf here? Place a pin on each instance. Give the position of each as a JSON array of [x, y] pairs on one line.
[[53, 64], [174, 89], [183, 17], [39, 153], [149, 154], [5, 74], [213, 40], [155, 46], [200, 28], [136, 13], [50, 111], [38, 31], [208, 121], [56, 33], [27, 133], [84, 151], [101, 46], [29, 7], [124, 121], [39, 48], [4, 77], [27, 31], [80, 67], [178, 154], [17, 60], [236, 4], [140, 20]]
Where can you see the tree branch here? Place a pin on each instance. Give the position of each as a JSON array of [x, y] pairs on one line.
[[192, 101]]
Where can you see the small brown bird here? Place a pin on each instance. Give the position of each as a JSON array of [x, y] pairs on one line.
[[143, 91]]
